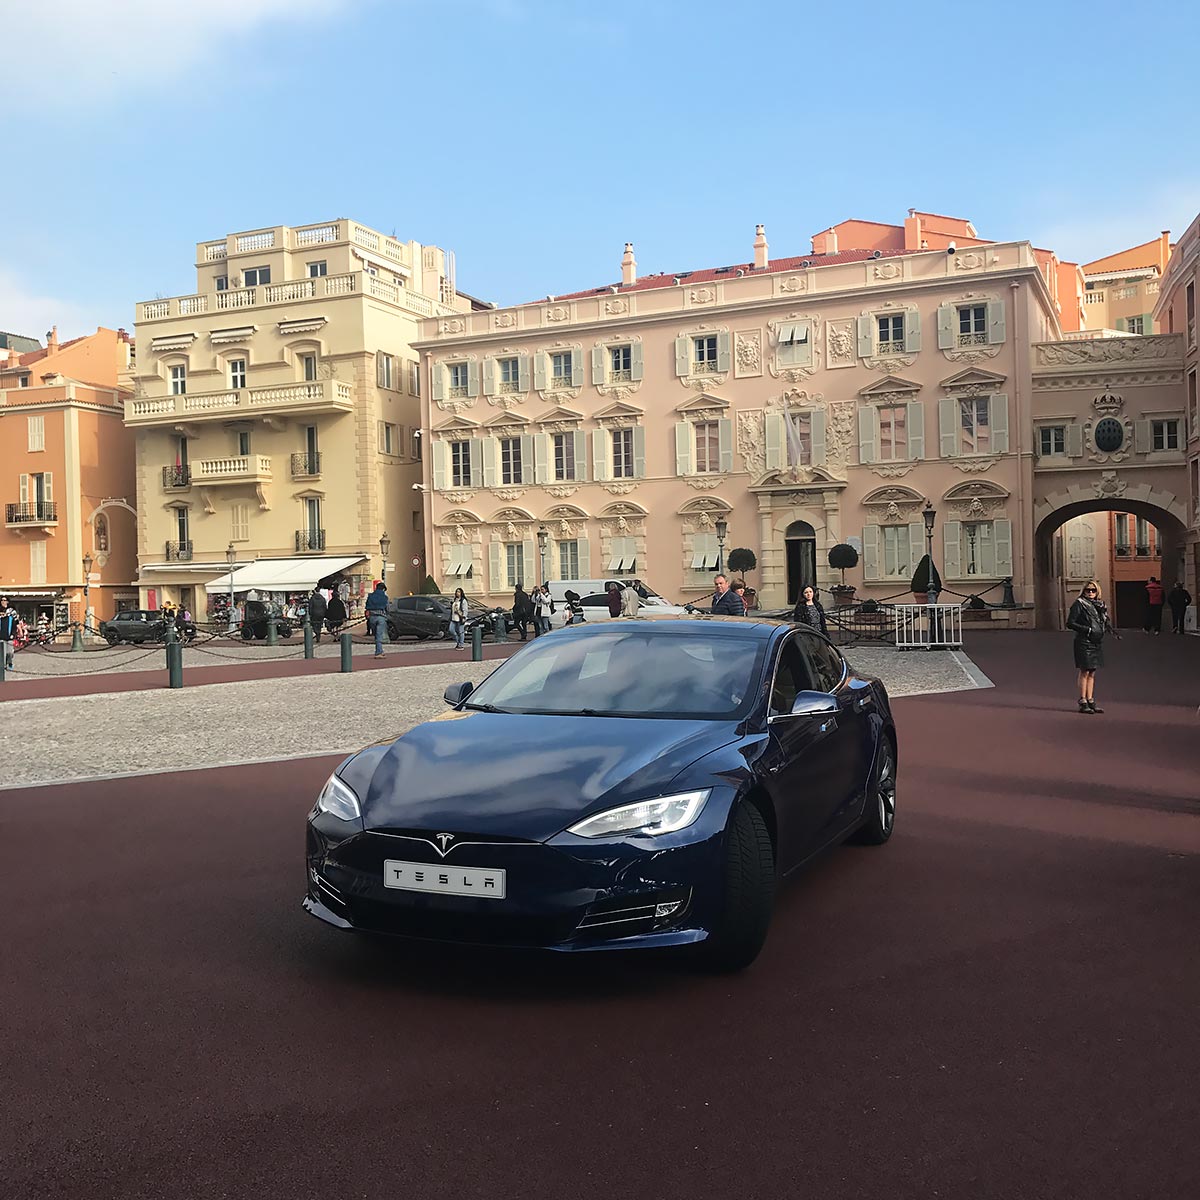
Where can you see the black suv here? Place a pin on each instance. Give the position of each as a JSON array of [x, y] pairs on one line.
[[134, 625], [425, 617], [258, 613]]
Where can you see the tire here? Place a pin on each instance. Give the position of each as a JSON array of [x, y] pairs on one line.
[[261, 635], [749, 894], [247, 633], [880, 817], [393, 633], [113, 639]]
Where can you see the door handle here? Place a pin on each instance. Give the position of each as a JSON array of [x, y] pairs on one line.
[[863, 702], [827, 726]]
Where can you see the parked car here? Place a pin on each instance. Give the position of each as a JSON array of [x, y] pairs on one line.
[[623, 785], [258, 613], [426, 617], [135, 625], [593, 598]]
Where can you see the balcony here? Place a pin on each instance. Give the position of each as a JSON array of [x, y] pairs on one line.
[[237, 468], [310, 541], [176, 477], [306, 465], [38, 513], [179, 552], [323, 396]]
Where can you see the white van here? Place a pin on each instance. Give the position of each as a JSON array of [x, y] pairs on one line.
[[593, 595]]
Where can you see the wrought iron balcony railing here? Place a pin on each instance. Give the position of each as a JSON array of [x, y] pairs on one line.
[[177, 477], [179, 552], [306, 464], [36, 512], [308, 540]]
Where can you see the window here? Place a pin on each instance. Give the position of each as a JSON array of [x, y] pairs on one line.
[[37, 433], [460, 464], [620, 364], [797, 427], [37, 562], [891, 334], [1190, 293], [386, 371], [239, 516], [706, 551], [510, 460], [1136, 325], [793, 345], [510, 375], [308, 367], [792, 676], [1121, 535], [514, 554], [1165, 435], [561, 367], [178, 381], [1053, 440], [974, 419], [824, 661], [461, 562], [978, 548], [459, 377], [708, 446], [972, 325], [1141, 533], [704, 354], [622, 453], [568, 560], [893, 432], [253, 276], [317, 270], [564, 464], [237, 373], [414, 378], [897, 550], [222, 282], [24, 380], [1193, 404], [181, 525], [389, 438], [622, 554]]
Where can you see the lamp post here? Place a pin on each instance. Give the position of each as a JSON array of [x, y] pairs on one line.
[[385, 544], [230, 558], [543, 537], [87, 571], [722, 530], [929, 515]]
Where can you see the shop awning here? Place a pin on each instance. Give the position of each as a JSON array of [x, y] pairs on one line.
[[281, 574]]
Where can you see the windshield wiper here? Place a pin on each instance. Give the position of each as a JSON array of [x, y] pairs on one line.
[[484, 707], [599, 712]]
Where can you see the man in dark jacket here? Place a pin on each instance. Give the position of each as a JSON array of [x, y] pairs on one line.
[[316, 613], [1178, 599], [522, 611], [377, 607], [8, 632], [725, 601]]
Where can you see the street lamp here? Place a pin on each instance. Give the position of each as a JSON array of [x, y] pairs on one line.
[[722, 530], [385, 544], [87, 570], [543, 536], [929, 515], [230, 558]]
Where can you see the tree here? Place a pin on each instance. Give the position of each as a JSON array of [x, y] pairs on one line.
[[742, 560], [429, 588], [925, 578], [843, 557]]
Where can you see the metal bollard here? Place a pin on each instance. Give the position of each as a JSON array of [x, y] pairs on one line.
[[174, 665], [2, 658], [499, 633], [476, 644], [76, 638], [171, 635], [272, 632], [308, 638], [347, 653]]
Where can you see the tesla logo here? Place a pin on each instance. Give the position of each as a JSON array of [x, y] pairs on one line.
[[444, 839]]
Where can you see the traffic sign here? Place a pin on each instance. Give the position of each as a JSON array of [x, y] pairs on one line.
[[416, 560]]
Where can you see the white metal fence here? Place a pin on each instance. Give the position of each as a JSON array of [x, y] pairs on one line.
[[928, 626]]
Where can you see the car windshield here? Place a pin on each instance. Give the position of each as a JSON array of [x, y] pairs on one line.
[[628, 673]]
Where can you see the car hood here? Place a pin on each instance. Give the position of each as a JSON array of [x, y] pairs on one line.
[[527, 776]]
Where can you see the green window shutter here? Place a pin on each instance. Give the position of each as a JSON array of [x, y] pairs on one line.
[[585, 557], [600, 455], [725, 442], [948, 427], [477, 446], [523, 372], [529, 472], [440, 454], [912, 331], [998, 416], [916, 545], [1002, 536], [639, 452], [541, 458], [867, 438], [774, 432], [1120, 324], [488, 454], [539, 372], [683, 447], [952, 549], [866, 337], [437, 380], [581, 471], [1142, 441], [598, 353], [946, 320], [995, 322], [472, 380], [683, 356], [531, 563], [577, 368], [1075, 440], [496, 567], [916, 430], [870, 557], [818, 437], [489, 376], [723, 352], [636, 364]]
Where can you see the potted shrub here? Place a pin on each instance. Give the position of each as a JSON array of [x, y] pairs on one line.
[[742, 560], [925, 579], [843, 557]]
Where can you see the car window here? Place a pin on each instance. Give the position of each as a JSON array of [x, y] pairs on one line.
[[826, 663], [596, 600], [406, 603], [792, 676]]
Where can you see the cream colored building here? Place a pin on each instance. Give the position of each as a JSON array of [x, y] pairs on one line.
[[805, 401], [1122, 289], [277, 409]]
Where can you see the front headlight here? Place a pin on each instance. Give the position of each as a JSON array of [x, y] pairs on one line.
[[648, 817], [339, 800]]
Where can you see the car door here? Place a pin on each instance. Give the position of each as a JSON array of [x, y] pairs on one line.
[[404, 616], [800, 765], [426, 617], [595, 607]]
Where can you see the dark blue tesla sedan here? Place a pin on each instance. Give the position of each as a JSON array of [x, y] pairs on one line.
[[642, 782]]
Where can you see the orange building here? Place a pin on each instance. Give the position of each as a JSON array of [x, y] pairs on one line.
[[67, 481], [1136, 553]]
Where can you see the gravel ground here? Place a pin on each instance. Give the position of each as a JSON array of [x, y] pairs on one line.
[[132, 733]]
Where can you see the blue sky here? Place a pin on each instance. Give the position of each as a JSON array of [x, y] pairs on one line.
[[534, 137]]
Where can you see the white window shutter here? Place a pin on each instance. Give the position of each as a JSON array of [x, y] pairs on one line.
[[637, 367], [870, 556], [866, 337], [952, 549], [723, 352], [490, 450], [775, 449], [539, 372], [437, 381], [472, 379], [867, 436], [496, 567], [581, 471], [995, 322], [379, 368], [1002, 535], [585, 557], [683, 448], [946, 315], [639, 452], [817, 418], [916, 546], [23, 493], [531, 563], [948, 427], [1074, 440], [916, 430], [47, 486], [598, 353], [541, 458], [476, 445], [683, 356], [528, 470], [379, 437], [912, 331], [577, 368], [489, 376], [523, 372], [1142, 441], [440, 454], [725, 443], [998, 416], [600, 458]]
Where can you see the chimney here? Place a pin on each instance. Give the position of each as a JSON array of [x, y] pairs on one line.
[[52, 340], [1164, 249], [628, 266], [760, 248], [831, 241]]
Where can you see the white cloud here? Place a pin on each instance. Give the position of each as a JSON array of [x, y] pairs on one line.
[[76, 51], [24, 310]]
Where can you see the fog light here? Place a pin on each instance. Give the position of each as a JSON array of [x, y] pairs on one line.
[[667, 910]]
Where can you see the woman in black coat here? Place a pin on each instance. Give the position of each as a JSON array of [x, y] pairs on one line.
[[808, 610], [1089, 620]]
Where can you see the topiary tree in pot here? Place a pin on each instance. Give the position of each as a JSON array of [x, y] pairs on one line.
[[925, 580], [742, 560], [843, 557]]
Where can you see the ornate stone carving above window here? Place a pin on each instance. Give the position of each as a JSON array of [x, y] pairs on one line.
[[747, 353], [981, 500]]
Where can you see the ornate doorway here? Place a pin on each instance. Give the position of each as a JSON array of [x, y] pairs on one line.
[[800, 543]]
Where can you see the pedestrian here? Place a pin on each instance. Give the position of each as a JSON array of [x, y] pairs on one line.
[[1178, 599], [458, 618], [8, 632], [335, 614], [808, 610], [522, 611], [543, 606], [1154, 599], [724, 601], [738, 588], [614, 599], [377, 608], [630, 600], [317, 609], [574, 608], [1089, 620]]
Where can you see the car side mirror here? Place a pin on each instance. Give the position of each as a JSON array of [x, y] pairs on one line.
[[456, 693], [814, 704]]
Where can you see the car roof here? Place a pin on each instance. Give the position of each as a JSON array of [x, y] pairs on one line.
[[750, 628]]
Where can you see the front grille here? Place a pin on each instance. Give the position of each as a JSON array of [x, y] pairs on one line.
[[628, 916], [422, 920]]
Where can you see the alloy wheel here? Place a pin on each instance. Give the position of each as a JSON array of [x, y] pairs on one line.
[[886, 789]]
